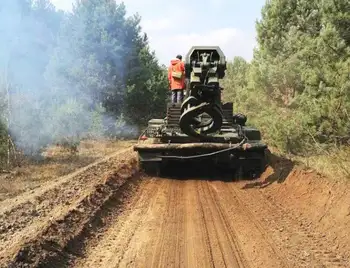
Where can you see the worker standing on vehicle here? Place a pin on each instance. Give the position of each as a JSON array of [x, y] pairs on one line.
[[176, 77]]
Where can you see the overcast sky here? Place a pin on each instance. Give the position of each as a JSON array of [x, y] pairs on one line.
[[174, 26]]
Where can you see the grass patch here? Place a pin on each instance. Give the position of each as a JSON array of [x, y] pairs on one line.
[[56, 161], [334, 163]]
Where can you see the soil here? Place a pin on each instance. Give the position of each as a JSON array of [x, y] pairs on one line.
[[109, 214], [54, 162]]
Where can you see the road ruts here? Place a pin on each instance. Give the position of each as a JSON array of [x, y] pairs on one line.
[[171, 223], [203, 223]]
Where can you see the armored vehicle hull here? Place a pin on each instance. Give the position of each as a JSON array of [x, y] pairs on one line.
[[236, 147], [202, 128]]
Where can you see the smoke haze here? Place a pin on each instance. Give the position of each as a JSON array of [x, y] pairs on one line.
[[54, 90]]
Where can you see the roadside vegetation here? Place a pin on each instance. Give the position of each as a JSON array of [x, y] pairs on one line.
[[297, 87], [64, 77], [56, 161], [91, 74]]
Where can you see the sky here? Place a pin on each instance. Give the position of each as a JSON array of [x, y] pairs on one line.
[[173, 27]]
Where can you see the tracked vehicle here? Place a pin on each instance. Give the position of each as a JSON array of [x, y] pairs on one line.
[[202, 128]]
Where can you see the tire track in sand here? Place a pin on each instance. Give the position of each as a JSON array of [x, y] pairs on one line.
[[225, 245], [182, 223], [109, 248], [163, 244], [298, 241], [197, 244], [252, 242]]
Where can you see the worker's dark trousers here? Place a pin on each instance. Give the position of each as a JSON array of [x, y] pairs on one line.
[[176, 95]]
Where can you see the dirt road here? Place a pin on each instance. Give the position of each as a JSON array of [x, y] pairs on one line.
[[116, 217], [198, 223]]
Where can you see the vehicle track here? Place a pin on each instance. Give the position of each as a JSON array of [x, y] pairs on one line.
[[166, 231], [300, 243], [119, 218], [203, 223], [181, 223], [40, 227]]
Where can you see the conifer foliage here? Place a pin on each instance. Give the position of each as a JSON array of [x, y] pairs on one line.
[[297, 87], [89, 72]]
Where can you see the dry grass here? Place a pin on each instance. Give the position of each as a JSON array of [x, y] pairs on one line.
[[333, 164], [57, 161]]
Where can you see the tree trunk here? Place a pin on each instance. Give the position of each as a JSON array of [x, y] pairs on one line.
[[8, 114]]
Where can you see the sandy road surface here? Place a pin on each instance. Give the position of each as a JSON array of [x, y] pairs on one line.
[[110, 215], [200, 223]]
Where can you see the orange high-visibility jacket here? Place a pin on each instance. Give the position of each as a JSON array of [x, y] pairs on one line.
[[176, 65]]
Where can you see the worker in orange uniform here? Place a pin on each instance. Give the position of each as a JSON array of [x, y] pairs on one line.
[[176, 77]]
